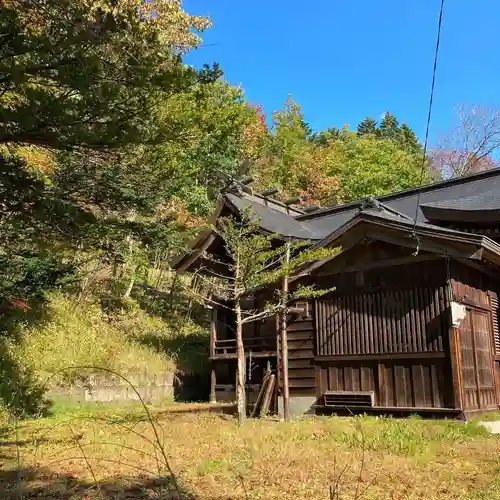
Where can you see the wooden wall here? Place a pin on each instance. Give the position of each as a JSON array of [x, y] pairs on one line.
[[386, 330], [301, 374], [397, 383], [478, 337], [382, 322]]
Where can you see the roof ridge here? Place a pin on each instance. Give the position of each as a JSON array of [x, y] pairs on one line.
[[435, 186]]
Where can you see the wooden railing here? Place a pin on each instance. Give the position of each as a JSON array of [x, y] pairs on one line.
[[253, 344]]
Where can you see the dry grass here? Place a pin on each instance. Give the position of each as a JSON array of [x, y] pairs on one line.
[[66, 455]]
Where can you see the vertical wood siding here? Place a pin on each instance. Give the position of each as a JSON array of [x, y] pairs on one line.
[[494, 318], [398, 383], [382, 322], [478, 335], [301, 373]]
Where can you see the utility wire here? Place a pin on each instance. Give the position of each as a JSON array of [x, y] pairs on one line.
[[429, 114]]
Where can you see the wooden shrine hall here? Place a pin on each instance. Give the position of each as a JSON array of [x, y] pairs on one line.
[[412, 326]]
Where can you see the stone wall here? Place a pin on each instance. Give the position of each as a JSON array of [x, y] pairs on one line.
[[105, 388]]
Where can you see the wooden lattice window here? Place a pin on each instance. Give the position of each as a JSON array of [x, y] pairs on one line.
[[494, 317]]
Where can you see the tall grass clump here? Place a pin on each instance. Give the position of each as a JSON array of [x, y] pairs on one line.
[[81, 334]]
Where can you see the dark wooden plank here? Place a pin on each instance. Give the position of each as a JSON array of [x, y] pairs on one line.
[[390, 386], [318, 381], [427, 319], [374, 357], [301, 382], [399, 385], [370, 328], [385, 322], [417, 381], [346, 327], [297, 345], [337, 345], [300, 363], [409, 396], [436, 395], [413, 346], [358, 333], [302, 372], [320, 328], [348, 382], [420, 317], [332, 378]]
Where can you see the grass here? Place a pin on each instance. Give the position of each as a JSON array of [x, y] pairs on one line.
[[66, 455], [80, 334]]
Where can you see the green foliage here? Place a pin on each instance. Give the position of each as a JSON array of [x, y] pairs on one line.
[[91, 74], [79, 334], [410, 436], [368, 166], [256, 260], [367, 127]]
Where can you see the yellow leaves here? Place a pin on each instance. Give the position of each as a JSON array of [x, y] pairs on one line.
[[37, 158], [175, 26]]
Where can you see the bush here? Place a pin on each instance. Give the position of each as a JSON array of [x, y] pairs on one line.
[[80, 334]]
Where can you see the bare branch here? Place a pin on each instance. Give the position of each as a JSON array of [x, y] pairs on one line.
[[471, 145]]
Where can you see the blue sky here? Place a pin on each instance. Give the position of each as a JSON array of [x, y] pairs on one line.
[[342, 61]]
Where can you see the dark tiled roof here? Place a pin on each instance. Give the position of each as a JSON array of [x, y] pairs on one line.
[[478, 202], [276, 221], [478, 190]]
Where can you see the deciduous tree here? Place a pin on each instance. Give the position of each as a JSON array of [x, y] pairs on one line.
[[472, 145]]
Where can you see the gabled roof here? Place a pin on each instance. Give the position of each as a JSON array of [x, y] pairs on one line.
[[455, 199]]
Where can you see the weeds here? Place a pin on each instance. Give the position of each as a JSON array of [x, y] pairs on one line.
[[158, 452]]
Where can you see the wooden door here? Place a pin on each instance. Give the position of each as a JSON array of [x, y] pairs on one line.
[[477, 360]]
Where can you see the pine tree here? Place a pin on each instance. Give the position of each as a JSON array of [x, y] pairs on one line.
[[389, 128], [410, 140], [367, 127], [253, 263]]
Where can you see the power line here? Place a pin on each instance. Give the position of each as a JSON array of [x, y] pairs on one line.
[[429, 114]]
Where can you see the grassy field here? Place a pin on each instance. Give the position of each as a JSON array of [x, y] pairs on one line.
[[110, 453]]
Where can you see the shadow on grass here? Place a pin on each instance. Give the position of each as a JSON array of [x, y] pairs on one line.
[[190, 352], [20, 393], [45, 484]]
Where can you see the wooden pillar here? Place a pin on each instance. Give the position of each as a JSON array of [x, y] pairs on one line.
[[213, 331], [284, 343], [213, 380], [454, 344], [213, 339]]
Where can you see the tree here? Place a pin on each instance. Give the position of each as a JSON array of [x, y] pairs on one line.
[[91, 74], [389, 128], [367, 127], [80, 82], [471, 145], [292, 160], [255, 261], [410, 140], [370, 166]]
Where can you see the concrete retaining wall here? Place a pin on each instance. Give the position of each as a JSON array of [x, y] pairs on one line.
[[104, 388]]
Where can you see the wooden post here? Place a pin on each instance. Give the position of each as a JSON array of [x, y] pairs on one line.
[[213, 331], [284, 341], [213, 380], [213, 339]]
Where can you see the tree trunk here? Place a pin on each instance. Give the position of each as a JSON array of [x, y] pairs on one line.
[[240, 372], [130, 286], [284, 341]]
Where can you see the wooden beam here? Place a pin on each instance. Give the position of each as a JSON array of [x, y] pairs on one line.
[[385, 263], [385, 356], [426, 245], [456, 364], [266, 402]]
